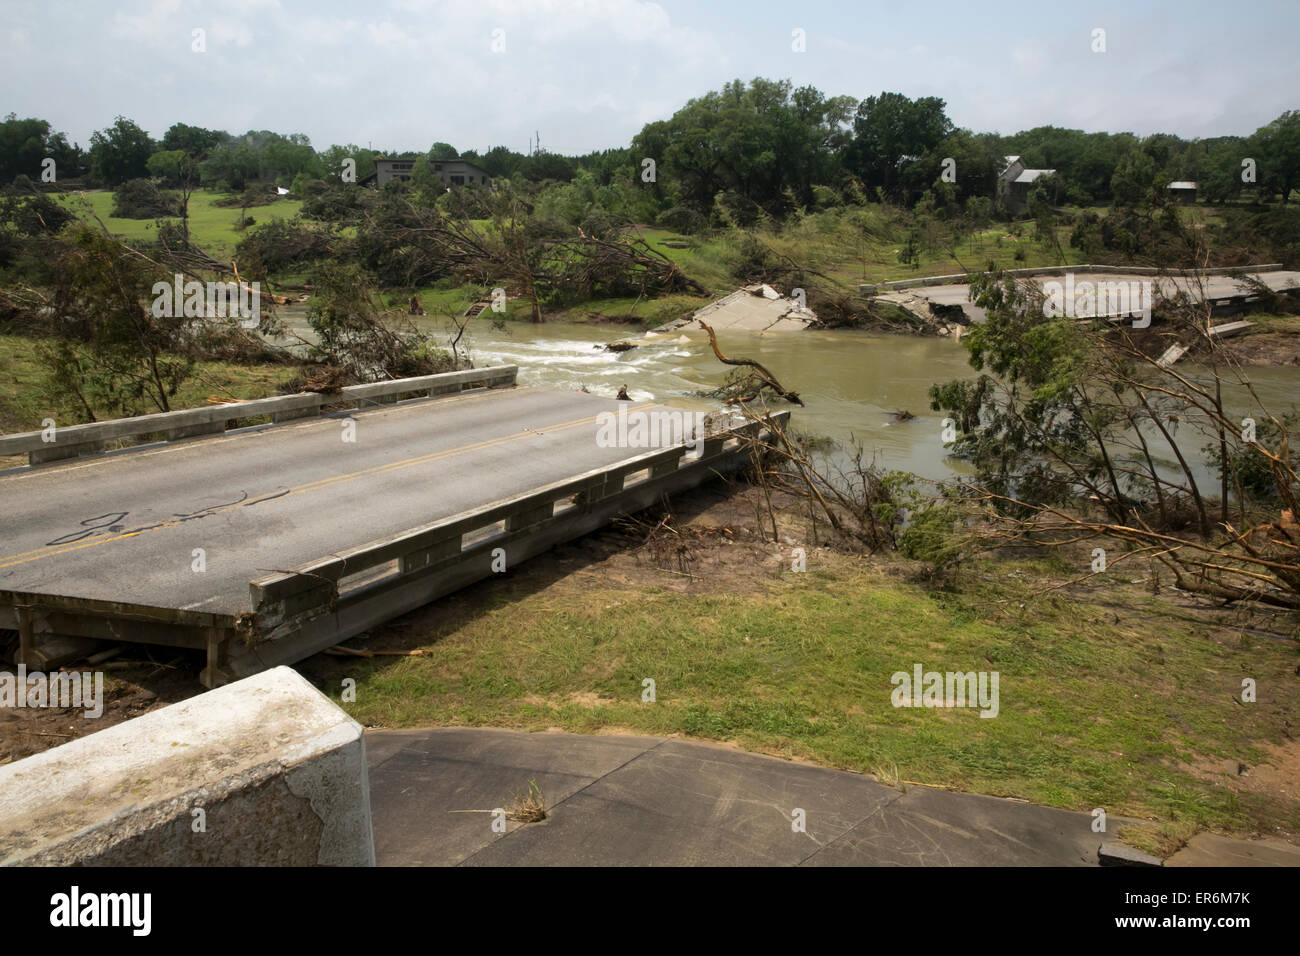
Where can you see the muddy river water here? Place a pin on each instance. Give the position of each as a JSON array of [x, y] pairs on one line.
[[852, 381]]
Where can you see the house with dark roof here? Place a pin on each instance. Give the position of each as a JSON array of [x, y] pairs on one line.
[[453, 172], [1015, 182]]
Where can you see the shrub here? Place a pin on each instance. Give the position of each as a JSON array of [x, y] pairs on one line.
[[682, 219], [931, 536], [141, 199]]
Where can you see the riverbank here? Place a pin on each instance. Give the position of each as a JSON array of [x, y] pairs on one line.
[[1121, 693]]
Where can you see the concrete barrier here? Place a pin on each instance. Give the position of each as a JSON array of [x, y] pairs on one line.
[[264, 771], [302, 611], [1083, 269], [72, 441]]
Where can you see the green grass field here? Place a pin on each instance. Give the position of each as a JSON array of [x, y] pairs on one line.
[[1108, 700], [213, 228]]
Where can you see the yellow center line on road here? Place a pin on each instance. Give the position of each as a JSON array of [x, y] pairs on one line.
[[49, 551]]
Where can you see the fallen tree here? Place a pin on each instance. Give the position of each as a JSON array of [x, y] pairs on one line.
[[1080, 434], [761, 378]]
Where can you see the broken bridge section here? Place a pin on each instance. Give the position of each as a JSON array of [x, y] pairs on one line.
[[265, 545], [755, 308], [947, 298]]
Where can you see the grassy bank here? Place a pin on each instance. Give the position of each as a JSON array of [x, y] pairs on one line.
[[215, 229], [25, 400], [1114, 697], [833, 244]]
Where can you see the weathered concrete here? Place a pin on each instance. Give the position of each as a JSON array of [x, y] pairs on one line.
[[961, 278], [755, 308], [1118, 854], [622, 800], [948, 299], [123, 528], [71, 441], [1178, 350], [277, 769]]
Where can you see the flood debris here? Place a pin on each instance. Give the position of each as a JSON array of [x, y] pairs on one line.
[[1179, 349], [759, 379], [753, 308]]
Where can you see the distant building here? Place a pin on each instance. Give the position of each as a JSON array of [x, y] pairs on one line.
[[1184, 191], [453, 172], [457, 172], [1015, 182]]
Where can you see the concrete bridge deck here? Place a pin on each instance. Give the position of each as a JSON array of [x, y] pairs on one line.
[[1223, 291], [203, 543]]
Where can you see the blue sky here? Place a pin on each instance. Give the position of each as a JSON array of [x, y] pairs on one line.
[[587, 74]]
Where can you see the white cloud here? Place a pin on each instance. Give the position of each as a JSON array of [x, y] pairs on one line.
[[590, 73]]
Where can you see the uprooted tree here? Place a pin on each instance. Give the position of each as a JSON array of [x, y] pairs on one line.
[[405, 244], [1082, 431]]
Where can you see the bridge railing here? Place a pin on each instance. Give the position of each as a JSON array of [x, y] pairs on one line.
[[960, 278], [458, 549], [70, 441]]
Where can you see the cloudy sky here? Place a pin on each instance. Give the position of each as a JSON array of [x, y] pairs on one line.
[[587, 74]]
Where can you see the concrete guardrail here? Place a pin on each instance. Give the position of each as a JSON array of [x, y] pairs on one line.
[[312, 607], [71, 441], [875, 288], [266, 771]]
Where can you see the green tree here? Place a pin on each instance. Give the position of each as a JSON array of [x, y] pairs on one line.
[[1134, 178], [1278, 145], [112, 348], [891, 131], [1034, 428], [501, 161], [167, 165], [194, 140], [26, 143], [333, 161], [1215, 165], [120, 152], [764, 141]]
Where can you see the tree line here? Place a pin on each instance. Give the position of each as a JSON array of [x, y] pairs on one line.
[[761, 148]]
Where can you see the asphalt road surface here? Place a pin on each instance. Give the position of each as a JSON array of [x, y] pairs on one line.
[[125, 527]]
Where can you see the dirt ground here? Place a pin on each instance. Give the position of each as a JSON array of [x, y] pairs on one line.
[[131, 688], [1264, 349]]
